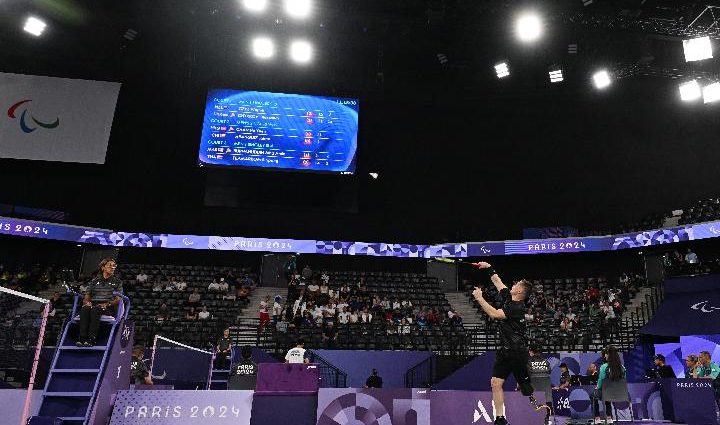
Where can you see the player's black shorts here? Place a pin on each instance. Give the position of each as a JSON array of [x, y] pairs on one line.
[[512, 361]]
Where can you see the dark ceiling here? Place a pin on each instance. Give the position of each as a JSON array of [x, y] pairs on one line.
[[461, 155]]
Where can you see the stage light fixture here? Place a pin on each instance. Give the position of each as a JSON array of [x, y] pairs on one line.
[[298, 8], [375, 176], [35, 26], [697, 49], [502, 70], [301, 51], [556, 76], [602, 79], [263, 48], [711, 93], [690, 91], [528, 27], [255, 5]]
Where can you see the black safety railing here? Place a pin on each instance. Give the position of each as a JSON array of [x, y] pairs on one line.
[[330, 375], [422, 375]]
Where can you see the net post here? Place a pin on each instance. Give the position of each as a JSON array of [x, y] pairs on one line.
[[36, 360], [152, 356]]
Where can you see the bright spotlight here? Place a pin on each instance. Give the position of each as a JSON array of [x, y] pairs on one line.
[[502, 70], [301, 51], [263, 48], [374, 176], [690, 91], [255, 5], [528, 27], [601, 79], [298, 8], [35, 26], [711, 93], [697, 49], [556, 76]]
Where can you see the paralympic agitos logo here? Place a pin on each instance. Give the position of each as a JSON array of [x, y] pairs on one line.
[[28, 126]]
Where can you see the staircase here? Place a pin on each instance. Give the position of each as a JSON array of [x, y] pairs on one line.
[[76, 373], [460, 303], [245, 330], [636, 304], [259, 294]]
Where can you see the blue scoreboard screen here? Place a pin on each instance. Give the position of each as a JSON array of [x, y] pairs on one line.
[[279, 131]]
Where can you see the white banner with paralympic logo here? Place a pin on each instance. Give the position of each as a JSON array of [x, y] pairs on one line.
[[55, 119]]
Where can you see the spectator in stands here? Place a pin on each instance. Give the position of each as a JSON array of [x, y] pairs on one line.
[[55, 303], [223, 285], [391, 328], [313, 290], [406, 305], [570, 315], [157, 286], [592, 373], [191, 314], [325, 278], [163, 313], [324, 288], [385, 304], [99, 300], [366, 316], [420, 320], [277, 309], [194, 298], [264, 315], [374, 381], [691, 366], [612, 370], [455, 318], [214, 286], [431, 318], [404, 327], [691, 257], [564, 377], [223, 349], [243, 292], [139, 372], [308, 320], [396, 304], [344, 316], [307, 273], [204, 314], [344, 291], [141, 277], [329, 336], [662, 370], [181, 285], [353, 317], [566, 325], [297, 354]]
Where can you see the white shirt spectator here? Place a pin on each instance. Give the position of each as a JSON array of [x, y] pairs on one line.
[[296, 306], [342, 305], [396, 305], [366, 317], [353, 317], [325, 278], [318, 312], [263, 306], [157, 287], [451, 314], [406, 304], [277, 309], [214, 286], [691, 258], [181, 285], [223, 286], [344, 317], [204, 315], [141, 278], [571, 316], [385, 304], [313, 287], [295, 355]]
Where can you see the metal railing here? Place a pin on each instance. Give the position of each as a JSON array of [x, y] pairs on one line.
[[330, 375], [422, 375]]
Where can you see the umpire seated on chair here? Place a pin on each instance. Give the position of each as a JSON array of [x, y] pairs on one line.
[[99, 300], [243, 375]]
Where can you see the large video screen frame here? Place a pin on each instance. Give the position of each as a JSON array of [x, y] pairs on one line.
[[279, 132]]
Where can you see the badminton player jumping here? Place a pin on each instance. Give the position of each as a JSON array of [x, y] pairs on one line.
[[512, 356]]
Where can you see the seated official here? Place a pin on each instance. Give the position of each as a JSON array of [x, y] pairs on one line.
[[592, 374], [661, 369], [223, 350], [243, 375], [564, 377], [139, 373], [691, 366], [99, 300], [374, 380], [612, 370]]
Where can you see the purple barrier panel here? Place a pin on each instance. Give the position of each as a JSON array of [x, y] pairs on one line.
[[284, 409], [646, 401], [287, 379], [339, 406], [182, 407], [358, 364], [692, 400], [116, 375]]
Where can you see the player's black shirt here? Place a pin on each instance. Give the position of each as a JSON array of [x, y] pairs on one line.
[[512, 329], [223, 343], [138, 371]]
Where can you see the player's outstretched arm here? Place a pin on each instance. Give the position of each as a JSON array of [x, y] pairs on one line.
[[491, 311], [494, 277]]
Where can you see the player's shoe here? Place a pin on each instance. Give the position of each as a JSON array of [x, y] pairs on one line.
[[537, 406], [500, 420]]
